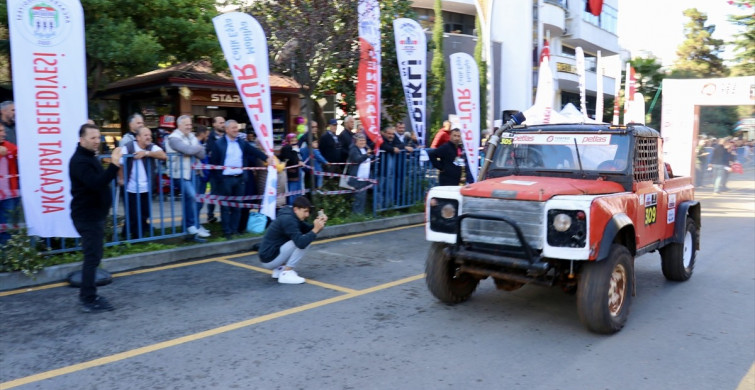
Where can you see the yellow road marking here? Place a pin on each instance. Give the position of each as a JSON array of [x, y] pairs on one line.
[[310, 281], [30, 289], [197, 336], [748, 381], [178, 265]]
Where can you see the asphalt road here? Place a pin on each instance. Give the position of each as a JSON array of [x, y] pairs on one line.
[[365, 320]]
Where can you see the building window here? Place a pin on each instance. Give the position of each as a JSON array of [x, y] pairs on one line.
[[452, 22], [606, 20]]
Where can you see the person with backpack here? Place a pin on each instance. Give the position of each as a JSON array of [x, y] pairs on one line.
[[138, 166]]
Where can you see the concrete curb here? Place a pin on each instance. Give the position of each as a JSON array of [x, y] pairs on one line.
[[59, 273]]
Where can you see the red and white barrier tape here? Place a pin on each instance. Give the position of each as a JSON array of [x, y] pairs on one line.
[[9, 194], [11, 226]]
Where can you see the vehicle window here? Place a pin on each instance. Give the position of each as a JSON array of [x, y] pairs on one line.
[[604, 152]]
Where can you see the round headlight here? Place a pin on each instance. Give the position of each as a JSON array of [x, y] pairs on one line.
[[448, 211], [562, 222]]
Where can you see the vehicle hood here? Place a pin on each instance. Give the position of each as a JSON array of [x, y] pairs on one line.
[[538, 188]]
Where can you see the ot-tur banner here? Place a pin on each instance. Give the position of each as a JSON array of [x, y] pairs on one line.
[[581, 73], [245, 48], [411, 52], [49, 79], [465, 83], [368, 84]]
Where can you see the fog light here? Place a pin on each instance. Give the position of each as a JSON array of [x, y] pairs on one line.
[[562, 222], [448, 211]]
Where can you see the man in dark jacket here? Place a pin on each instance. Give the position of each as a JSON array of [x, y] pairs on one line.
[[449, 158], [90, 204], [330, 145], [231, 151], [287, 240]]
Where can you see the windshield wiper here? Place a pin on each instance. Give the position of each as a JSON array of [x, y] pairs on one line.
[[579, 159]]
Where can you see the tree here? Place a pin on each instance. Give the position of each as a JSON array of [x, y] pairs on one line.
[[437, 80], [698, 55], [483, 66], [128, 37], [744, 44], [648, 82]]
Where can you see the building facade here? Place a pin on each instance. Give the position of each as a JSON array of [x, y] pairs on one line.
[[517, 30]]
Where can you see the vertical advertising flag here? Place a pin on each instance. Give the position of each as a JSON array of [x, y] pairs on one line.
[[245, 48], [581, 74], [411, 52], [599, 90], [628, 93], [616, 91], [465, 85], [368, 84], [50, 93]]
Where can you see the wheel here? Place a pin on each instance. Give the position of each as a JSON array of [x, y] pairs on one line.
[[678, 259], [442, 280], [604, 291]]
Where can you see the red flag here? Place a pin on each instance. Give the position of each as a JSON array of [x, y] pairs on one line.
[[546, 53], [594, 7], [368, 97], [632, 84]]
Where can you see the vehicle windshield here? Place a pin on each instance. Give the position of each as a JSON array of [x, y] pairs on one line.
[[542, 151]]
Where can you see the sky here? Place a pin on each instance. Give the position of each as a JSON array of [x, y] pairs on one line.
[[657, 26]]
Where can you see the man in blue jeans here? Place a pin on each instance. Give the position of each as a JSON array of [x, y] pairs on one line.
[[185, 149]]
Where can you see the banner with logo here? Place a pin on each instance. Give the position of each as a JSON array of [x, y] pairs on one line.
[[616, 91], [599, 90], [50, 94], [580, 54], [368, 84], [411, 52], [245, 48], [465, 86]]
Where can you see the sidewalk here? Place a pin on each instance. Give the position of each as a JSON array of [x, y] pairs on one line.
[[59, 273]]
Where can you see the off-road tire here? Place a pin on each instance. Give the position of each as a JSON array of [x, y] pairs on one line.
[[604, 292], [441, 278], [678, 259]]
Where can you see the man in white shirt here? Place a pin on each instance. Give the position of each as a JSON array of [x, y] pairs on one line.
[[139, 170]]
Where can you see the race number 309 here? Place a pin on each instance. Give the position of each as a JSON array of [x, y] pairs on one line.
[[651, 214]]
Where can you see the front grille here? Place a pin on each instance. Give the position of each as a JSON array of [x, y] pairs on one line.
[[528, 216]]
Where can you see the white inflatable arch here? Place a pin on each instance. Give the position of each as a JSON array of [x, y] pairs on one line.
[[680, 114]]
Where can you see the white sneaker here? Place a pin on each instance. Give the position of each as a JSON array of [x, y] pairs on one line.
[[290, 277], [199, 233], [203, 230], [277, 272]]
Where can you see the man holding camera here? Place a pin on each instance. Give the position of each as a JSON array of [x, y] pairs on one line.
[[287, 240]]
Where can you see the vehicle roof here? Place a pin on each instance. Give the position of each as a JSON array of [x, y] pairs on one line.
[[634, 129]]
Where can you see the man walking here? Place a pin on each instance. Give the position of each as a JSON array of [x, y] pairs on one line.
[[229, 152], [185, 146], [443, 135], [9, 196], [139, 170], [90, 204], [287, 240]]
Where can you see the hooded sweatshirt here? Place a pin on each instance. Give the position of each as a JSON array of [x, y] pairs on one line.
[[286, 227]]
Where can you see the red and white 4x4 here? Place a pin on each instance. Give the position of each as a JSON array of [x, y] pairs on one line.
[[569, 206]]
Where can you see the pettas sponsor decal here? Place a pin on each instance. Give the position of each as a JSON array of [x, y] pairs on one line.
[[562, 139]]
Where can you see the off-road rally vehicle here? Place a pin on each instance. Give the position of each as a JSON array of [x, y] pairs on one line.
[[568, 205]]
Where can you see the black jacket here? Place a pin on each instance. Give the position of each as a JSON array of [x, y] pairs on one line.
[[330, 147], [217, 155], [355, 157], [443, 158], [91, 194], [286, 227]]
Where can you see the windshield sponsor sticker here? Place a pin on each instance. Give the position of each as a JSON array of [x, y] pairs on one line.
[[518, 182], [561, 139]]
